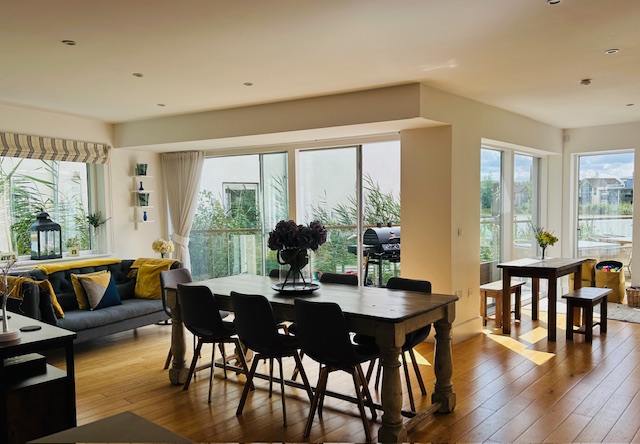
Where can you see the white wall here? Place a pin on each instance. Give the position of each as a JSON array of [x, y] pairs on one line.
[[127, 241]]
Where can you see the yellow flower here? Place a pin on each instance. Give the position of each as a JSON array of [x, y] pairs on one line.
[[544, 238]]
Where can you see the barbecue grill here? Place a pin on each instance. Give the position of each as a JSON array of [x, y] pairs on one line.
[[379, 244]]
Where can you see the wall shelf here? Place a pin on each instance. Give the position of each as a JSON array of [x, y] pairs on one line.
[[139, 210]]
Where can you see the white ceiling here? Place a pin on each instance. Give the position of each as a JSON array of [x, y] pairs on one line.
[[520, 55]]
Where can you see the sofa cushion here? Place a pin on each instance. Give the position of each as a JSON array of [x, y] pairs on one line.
[[78, 289], [81, 319], [101, 290], [148, 280]]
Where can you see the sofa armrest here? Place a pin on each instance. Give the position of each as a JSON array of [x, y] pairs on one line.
[[35, 303]]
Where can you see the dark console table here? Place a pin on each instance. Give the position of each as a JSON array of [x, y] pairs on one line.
[[26, 410]]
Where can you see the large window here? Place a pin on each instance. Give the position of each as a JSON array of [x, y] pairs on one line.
[[241, 199], [605, 206], [327, 191], [28, 186], [508, 192]]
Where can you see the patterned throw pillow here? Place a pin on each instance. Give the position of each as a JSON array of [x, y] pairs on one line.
[[81, 295], [101, 290]]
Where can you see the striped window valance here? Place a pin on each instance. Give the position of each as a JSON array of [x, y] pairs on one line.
[[47, 148]]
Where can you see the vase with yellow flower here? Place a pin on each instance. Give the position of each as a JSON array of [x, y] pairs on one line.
[[163, 247], [544, 239]]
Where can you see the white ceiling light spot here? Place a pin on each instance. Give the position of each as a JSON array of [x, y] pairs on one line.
[[612, 51]]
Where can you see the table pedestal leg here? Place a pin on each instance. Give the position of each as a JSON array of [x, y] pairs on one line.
[[443, 367], [178, 372], [392, 429]]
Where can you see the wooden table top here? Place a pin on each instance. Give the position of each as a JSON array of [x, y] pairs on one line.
[[376, 303], [48, 336], [558, 263]]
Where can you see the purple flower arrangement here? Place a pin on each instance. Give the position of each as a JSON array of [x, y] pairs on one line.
[[287, 235]]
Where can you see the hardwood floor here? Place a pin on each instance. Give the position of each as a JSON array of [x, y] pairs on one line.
[[519, 388]]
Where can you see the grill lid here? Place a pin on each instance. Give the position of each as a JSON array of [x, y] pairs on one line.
[[381, 235]]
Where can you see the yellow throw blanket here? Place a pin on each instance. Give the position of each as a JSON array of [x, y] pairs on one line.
[[149, 261], [52, 268], [15, 284]]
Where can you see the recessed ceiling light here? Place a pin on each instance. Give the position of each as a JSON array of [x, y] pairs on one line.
[[137, 74], [553, 2], [585, 82], [630, 104], [248, 84], [69, 42], [161, 104], [612, 51]]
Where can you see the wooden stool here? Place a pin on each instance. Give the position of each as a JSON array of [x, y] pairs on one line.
[[586, 298], [494, 290]]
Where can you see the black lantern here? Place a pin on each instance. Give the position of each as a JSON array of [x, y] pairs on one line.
[[46, 238]]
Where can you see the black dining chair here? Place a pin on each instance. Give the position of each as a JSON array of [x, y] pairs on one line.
[[201, 317], [324, 336], [171, 278], [411, 339], [338, 278], [258, 330]]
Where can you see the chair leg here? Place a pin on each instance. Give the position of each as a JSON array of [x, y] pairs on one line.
[[367, 393], [247, 386], [168, 361], [213, 360], [192, 368], [378, 374], [303, 375], [224, 359], [405, 367], [363, 416], [296, 370], [270, 377], [282, 394], [416, 368], [370, 369], [241, 358], [322, 383]]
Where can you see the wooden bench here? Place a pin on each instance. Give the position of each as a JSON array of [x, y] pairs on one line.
[[494, 290], [586, 298]]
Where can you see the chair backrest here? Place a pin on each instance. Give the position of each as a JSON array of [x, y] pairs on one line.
[[275, 273], [200, 312], [171, 278], [255, 322], [323, 333], [396, 283], [337, 278]]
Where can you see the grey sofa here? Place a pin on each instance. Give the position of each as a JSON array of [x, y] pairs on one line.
[[133, 312]]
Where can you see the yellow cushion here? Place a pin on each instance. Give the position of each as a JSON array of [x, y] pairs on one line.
[[81, 295], [148, 281]]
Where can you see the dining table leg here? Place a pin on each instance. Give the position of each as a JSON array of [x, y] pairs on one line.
[[505, 307], [392, 428], [552, 297], [178, 372], [443, 393]]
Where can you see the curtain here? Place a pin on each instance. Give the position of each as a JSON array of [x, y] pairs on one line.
[[181, 177], [48, 148]]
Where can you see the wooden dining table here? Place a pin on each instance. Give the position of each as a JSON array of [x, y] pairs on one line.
[[549, 269], [388, 315]]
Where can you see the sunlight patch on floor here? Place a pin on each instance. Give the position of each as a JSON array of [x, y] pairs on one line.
[[421, 359], [537, 357]]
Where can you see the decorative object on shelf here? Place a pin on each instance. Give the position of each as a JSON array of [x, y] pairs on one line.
[[6, 334], [141, 188], [545, 239], [144, 216], [141, 169], [73, 246], [162, 246], [143, 199], [292, 243], [46, 238]]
